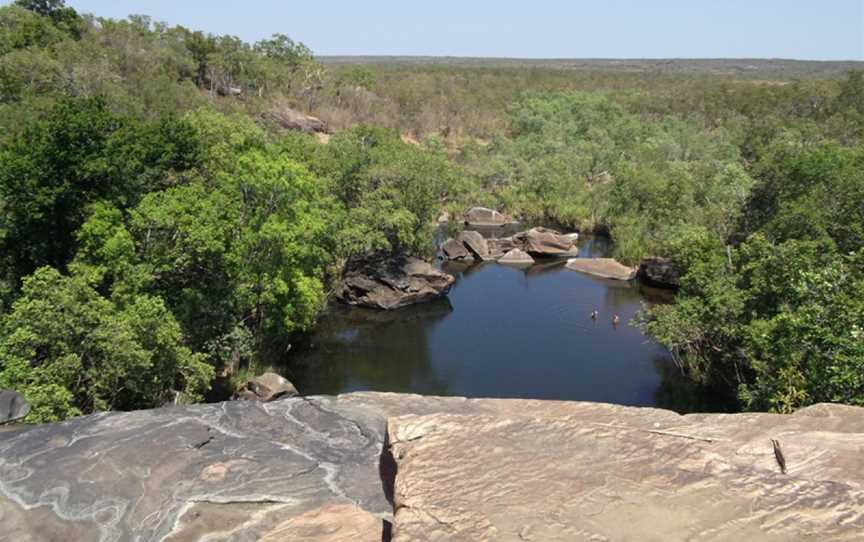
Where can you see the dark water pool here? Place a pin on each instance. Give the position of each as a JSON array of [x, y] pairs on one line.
[[503, 332]]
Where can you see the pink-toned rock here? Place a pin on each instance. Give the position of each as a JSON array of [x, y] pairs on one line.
[[599, 472]]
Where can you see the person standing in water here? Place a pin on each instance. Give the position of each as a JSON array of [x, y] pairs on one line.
[[616, 320], [594, 314]]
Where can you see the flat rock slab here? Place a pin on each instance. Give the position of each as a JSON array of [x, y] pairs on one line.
[[233, 471], [582, 471], [605, 268], [314, 469]]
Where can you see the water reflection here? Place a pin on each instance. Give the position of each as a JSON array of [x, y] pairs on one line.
[[505, 332]]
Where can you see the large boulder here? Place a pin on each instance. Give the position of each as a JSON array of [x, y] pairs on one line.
[[453, 249], [337, 468], [475, 243], [660, 272], [605, 268], [483, 216], [544, 242], [499, 247], [468, 245], [267, 387], [291, 119], [13, 407], [392, 283]]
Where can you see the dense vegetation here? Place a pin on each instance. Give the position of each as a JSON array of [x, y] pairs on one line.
[[158, 227]]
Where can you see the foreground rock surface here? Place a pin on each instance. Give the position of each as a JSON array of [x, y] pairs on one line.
[[312, 469], [605, 268], [390, 284], [583, 471]]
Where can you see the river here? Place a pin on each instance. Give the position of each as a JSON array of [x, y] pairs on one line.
[[502, 332]]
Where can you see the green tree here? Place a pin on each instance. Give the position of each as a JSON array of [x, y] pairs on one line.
[[71, 351]]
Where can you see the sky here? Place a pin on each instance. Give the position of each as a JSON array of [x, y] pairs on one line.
[[801, 29]]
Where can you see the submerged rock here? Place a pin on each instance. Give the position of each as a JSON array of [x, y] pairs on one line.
[[332, 468], [659, 272], [606, 268], [483, 216], [392, 283], [13, 407], [544, 242], [267, 387]]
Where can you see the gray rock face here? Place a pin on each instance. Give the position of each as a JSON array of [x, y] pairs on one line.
[[390, 284], [267, 387], [482, 216], [315, 469], [546, 243], [660, 272], [606, 268], [13, 407]]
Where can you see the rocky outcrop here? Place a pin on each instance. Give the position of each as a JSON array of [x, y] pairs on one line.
[[516, 257], [318, 468], [291, 119], [13, 407], [482, 216], [392, 283], [605, 268], [266, 387], [659, 272], [544, 242]]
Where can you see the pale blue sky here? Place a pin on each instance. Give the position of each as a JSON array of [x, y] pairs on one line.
[[803, 29]]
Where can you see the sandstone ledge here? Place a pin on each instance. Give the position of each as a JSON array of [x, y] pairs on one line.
[[468, 469]]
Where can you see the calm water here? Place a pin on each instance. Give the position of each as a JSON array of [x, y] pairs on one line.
[[503, 332]]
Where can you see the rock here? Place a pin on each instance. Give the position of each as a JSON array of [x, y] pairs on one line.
[[600, 472], [605, 268], [482, 216], [546, 243], [659, 272], [267, 387], [499, 247], [291, 119], [516, 257], [392, 283], [13, 407], [453, 249], [573, 237], [475, 243], [316, 469]]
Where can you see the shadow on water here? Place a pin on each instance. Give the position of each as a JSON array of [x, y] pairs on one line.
[[505, 332]]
